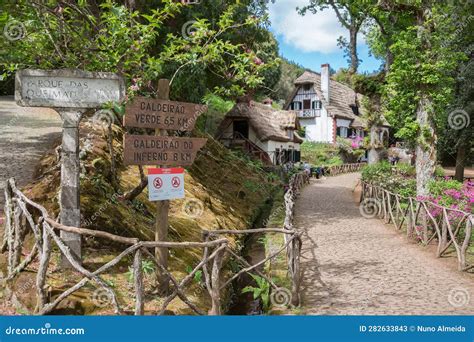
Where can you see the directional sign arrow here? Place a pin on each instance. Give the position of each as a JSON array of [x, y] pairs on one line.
[[144, 112], [161, 150]]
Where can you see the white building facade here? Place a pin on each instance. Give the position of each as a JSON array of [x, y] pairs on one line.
[[326, 108]]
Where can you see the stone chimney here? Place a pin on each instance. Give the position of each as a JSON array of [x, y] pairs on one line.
[[325, 79]]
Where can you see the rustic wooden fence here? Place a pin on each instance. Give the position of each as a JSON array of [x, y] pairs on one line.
[[20, 220], [345, 168], [422, 220], [17, 210]]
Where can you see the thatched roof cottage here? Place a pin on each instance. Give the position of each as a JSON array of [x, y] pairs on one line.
[[326, 108], [263, 132]]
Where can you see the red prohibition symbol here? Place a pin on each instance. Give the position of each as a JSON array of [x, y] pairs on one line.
[[157, 183], [175, 182]]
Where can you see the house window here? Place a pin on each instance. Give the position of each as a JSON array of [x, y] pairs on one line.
[[307, 87], [290, 134], [342, 132], [355, 109], [317, 104], [296, 105], [306, 104]]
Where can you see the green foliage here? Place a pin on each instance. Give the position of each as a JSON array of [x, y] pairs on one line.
[[148, 268], [217, 108], [376, 171], [143, 43], [261, 291], [398, 179], [423, 66], [290, 71], [320, 154], [348, 153], [437, 187], [405, 169], [197, 276]]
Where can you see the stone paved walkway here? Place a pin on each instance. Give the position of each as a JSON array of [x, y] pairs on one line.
[[358, 266], [25, 134]]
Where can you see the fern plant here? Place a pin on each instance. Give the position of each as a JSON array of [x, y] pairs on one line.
[[262, 291]]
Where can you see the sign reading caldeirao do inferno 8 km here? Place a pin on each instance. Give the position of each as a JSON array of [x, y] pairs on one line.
[[71, 93]]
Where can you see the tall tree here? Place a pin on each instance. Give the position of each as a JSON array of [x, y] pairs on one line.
[[351, 15], [422, 77]]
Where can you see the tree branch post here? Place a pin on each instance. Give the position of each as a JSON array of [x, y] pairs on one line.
[[162, 210]]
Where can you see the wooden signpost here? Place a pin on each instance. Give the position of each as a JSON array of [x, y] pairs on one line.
[[70, 93], [161, 150], [162, 115]]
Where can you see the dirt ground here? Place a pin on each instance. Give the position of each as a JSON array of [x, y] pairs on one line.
[[358, 266], [468, 171]]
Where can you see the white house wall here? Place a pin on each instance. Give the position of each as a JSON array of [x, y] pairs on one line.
[[319, 128]]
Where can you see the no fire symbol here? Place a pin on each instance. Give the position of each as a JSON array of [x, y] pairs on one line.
[[157, 183], [175, 182]]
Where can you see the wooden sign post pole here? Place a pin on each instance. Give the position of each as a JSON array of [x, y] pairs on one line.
[[70, 182], [162, 209], [162, 115]]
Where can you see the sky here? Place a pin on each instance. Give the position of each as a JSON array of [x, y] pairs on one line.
[[311, 40]]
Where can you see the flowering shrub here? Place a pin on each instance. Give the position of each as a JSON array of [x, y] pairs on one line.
[[350, 149], [452, 194], [398, 179]]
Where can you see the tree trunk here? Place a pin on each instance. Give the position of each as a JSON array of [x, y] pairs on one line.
[[425, 150], [388, 61], [460, 162], [354, 29]]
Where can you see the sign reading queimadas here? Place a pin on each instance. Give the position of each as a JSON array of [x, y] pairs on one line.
[[67, 88]]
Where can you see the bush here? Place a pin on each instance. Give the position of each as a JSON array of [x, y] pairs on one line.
[[319, 154], [350, 149]]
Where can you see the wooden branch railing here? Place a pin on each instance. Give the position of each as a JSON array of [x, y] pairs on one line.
[[292, 245], [423, 220], [296, 184], [345, 168], [19, 221]]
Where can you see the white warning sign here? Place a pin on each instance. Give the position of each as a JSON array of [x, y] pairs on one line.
[[165, 184]]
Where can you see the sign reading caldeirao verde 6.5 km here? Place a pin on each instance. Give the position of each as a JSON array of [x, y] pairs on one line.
[[155, 113]]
